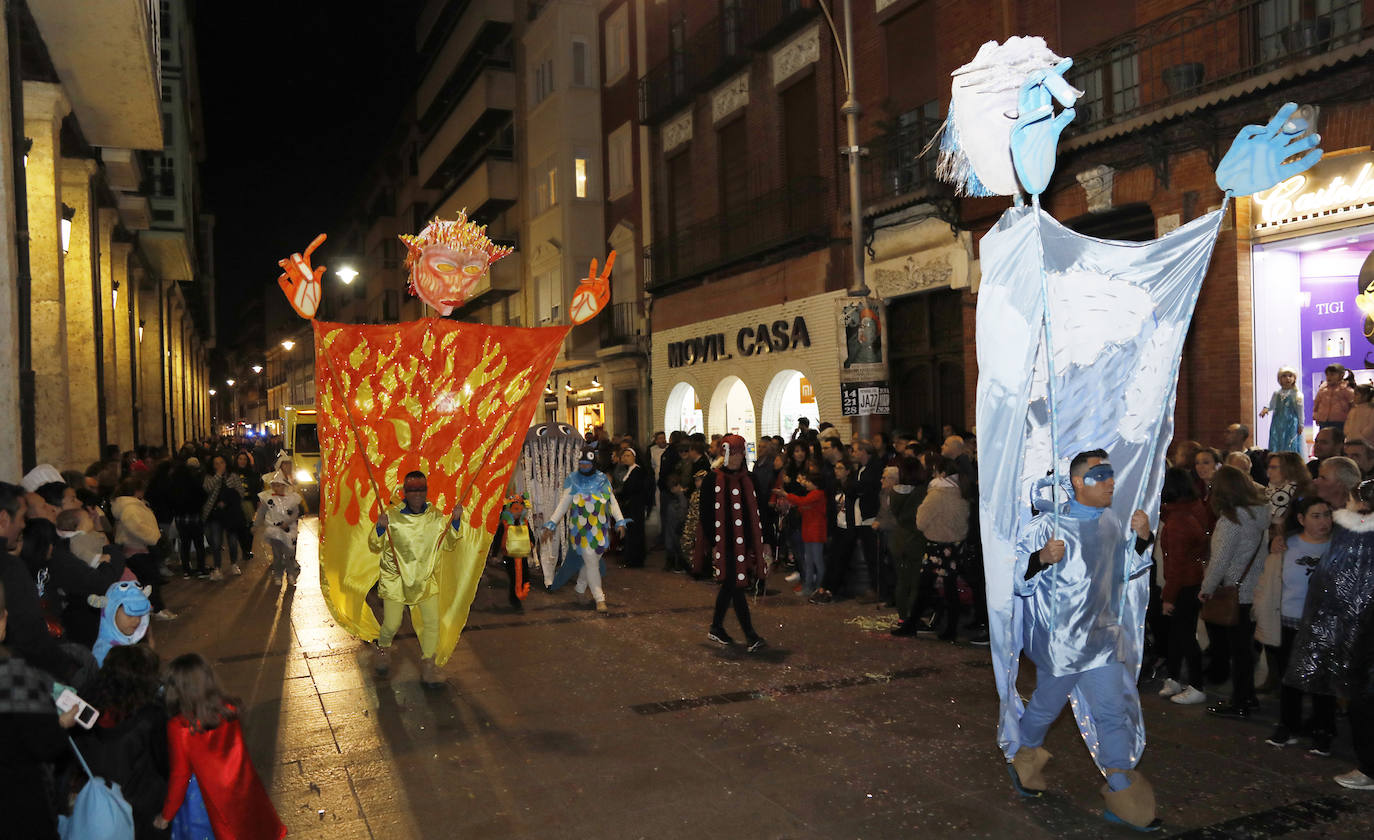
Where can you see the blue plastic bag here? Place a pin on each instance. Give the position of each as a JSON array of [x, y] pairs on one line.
[[100, 812]]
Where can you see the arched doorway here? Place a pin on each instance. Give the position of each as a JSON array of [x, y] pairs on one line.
[[684, 410], [789, 397], [732, 412]]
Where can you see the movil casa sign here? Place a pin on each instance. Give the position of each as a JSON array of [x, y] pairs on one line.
[[1336, 186]]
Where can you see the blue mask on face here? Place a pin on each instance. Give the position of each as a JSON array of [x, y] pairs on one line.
[[1098, 474], [586, 468]]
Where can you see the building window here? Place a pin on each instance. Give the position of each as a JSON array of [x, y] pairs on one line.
[[166, 93], [580, 76], [543, 80], [617, 41], [168, 133], [545, 179], [618, 161], [167, 177], [580, 176], [548, 297]]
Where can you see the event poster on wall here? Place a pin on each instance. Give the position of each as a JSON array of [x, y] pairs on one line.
[[863, 356]]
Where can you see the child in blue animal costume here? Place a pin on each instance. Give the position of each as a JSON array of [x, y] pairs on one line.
[[124, 614]]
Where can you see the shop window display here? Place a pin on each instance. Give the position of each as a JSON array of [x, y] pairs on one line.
[[1306, 313]]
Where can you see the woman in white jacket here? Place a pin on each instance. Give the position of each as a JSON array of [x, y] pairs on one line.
[[136, 532], [1239, 546]]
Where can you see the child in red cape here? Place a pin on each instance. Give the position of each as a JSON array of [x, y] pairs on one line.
[[204, 737]]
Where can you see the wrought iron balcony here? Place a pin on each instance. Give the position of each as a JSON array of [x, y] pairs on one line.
[[763, 224], [895, 167], [1206, 47], [768, 22], [705, 58], [621, 325]]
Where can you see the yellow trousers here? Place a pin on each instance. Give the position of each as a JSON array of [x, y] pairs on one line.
[[392, 611]]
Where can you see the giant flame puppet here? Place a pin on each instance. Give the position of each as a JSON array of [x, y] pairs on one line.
[[1063, 321], [442, 398]]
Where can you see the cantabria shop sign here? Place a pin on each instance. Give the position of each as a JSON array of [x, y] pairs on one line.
[[777, 337], [1338, 186]]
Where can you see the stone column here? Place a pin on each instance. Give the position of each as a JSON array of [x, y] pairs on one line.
[[149, 362], [120, 342], [11, 441], [45, 106], [82, 310], [110, 324]]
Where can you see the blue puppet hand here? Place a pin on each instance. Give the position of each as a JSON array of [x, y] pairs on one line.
[[1035, 135], [1255, 161]]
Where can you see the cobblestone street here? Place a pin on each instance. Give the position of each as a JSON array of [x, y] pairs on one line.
[[560, 723]]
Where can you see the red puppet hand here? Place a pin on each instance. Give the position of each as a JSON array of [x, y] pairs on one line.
[[592, 294], [300, 282]]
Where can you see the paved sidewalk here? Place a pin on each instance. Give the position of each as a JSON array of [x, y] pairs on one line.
[[558, 723]]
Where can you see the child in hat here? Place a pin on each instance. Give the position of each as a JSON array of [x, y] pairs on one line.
[[279, 513]]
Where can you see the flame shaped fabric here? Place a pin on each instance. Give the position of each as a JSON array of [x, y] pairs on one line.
[[450, 399]]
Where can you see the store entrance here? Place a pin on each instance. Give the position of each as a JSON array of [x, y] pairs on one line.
[[926, 358]]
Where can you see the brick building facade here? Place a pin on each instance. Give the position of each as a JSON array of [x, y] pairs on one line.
[[735, 177]]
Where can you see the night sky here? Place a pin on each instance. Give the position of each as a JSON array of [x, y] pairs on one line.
[[298, 98]]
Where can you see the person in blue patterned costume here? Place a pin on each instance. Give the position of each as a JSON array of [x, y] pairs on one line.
[[1074, 633], [591, 509]]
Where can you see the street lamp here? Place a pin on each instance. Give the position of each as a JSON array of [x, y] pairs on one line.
[[229, 382], [288, 344], [346, 274], [213, 392], [68, 213], [257, 368]]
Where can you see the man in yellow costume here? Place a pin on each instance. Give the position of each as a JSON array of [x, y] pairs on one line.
[[410, 548]]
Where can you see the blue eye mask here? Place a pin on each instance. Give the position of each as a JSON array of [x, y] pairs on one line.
[[1098, 474]]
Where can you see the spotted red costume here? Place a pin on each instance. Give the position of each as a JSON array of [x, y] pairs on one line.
[[730, 533]]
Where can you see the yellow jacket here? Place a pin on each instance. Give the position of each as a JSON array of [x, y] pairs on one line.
[[410, 552]]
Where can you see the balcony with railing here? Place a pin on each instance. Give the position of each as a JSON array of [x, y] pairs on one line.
[[1206, 47], [896, 172], [768, 22], [705, 58], [761, 225], [621, 325]]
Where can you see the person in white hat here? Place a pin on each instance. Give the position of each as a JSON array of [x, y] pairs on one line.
[[279, 512]]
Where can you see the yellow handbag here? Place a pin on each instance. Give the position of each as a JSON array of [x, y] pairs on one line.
[[517, 541]]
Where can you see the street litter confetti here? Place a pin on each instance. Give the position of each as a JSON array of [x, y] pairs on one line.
[[873, 623]]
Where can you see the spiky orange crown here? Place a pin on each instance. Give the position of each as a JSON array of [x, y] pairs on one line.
[[459, 234]]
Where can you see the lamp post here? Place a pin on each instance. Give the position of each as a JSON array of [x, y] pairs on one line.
[[853, 151], [346, 274]]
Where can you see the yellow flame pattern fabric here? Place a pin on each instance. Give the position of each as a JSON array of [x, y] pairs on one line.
[[450, 399]]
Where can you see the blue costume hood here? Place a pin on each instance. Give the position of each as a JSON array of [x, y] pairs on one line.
[[134, 601]]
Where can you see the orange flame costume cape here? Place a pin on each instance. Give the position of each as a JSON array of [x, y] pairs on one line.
[[451, 399]]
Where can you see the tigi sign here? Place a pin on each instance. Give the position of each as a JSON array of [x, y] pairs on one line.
[[776, 337]]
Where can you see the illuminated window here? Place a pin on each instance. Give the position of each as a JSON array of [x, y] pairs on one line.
[[580, 173]]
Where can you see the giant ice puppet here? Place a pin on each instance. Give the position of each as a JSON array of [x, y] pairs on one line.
[[454, 400], [1078, 340]]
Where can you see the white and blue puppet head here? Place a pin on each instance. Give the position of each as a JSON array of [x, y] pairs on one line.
[[125, 610], [986, 104]]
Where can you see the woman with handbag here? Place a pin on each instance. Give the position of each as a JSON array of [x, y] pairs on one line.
[[1239, 544]]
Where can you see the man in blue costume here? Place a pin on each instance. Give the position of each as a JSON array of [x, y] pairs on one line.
[[1074, 633]]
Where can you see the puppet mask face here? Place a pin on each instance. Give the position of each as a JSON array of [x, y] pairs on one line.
[[976, 151], [447, 259], [445, 277]]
